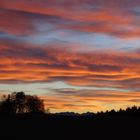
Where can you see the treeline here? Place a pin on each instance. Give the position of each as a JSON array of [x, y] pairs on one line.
[[129, 111], [19, 103]]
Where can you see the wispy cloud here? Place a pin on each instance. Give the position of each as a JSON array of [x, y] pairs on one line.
[[89, 16], [91, 47], [43, 64]]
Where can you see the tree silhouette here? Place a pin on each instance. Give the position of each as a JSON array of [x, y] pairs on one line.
[[19, 103], [34, 104], [7, 105]]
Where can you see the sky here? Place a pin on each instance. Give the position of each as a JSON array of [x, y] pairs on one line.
[[77, 55]]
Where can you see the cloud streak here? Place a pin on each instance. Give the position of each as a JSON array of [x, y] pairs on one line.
[[89, 16], [49, 63], [91, 47]]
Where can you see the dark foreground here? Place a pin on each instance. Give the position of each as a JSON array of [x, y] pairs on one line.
[[48, 127]]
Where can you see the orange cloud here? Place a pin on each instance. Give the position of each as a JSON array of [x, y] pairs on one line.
[[100, 20], [101, 69]]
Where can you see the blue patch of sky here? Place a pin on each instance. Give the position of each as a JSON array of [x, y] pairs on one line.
[[135, 10], [92, 40]]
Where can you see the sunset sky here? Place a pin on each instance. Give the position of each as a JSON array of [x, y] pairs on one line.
[[78, 55]]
